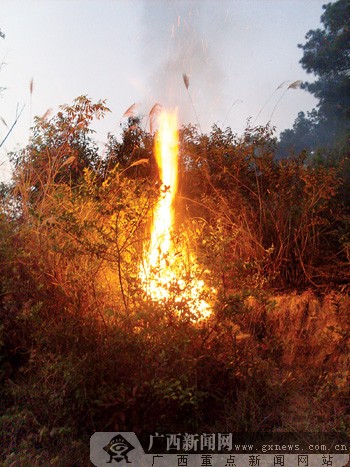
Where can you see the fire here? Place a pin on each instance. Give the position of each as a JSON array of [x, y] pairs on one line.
[[167, 269]]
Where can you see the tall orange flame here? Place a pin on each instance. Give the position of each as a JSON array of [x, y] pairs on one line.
[[166, 153], [162, 269]]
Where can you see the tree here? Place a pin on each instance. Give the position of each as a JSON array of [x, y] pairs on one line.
[[326, 54], [61, 147], [311, 131], [135, 145]]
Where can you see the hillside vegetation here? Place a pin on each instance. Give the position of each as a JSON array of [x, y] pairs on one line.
[[83, 348]]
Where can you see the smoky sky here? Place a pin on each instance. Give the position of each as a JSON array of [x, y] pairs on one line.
[[183, 37]]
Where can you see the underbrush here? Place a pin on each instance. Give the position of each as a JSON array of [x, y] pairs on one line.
[[150, 373], [85, 349], [66, 378]]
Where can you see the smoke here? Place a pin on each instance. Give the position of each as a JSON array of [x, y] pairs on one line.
[[181, 37]]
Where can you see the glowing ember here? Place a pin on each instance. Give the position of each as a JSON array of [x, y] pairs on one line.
[[167, 269]]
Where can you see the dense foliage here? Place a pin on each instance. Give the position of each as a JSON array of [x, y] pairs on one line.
[[83, 348], [326, 54]]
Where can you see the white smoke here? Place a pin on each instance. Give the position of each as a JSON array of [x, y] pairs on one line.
[[180, 37]]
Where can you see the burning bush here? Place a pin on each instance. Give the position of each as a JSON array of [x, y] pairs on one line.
[[86, 348]]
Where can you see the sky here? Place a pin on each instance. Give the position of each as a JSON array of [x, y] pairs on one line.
[[236, 53]]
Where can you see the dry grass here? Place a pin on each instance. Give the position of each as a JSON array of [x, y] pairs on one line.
[[311, 334]]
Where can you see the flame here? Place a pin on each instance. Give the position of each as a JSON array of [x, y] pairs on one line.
[[166, 270]]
